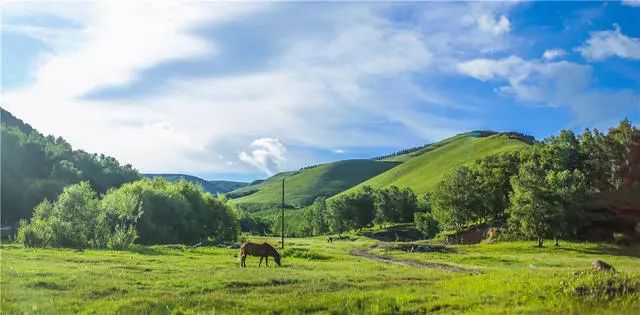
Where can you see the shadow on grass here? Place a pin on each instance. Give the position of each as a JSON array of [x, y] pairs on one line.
[[630, 251], [144, 250]]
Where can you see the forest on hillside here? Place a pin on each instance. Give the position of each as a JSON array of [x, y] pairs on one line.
[[37, 167]]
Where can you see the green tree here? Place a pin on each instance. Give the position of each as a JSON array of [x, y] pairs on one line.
[[596, 162], [493, 177], [352, 211], [426, 224], [457, 200], [543, 203], [320, 225]]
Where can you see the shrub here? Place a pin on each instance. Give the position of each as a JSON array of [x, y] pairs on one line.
[[156, 211], [122, 238]]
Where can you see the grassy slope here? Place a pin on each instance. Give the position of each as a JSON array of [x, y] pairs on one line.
[[424, 169], [212, 186], [516, 278], [303, 187]]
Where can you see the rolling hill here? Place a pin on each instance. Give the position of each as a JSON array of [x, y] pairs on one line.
[[212, 186], [304, 186], [423, 169]]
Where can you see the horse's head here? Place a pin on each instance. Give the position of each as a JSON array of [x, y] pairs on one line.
[[276, 257]]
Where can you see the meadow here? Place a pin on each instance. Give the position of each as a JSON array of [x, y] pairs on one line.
[[316, 276]]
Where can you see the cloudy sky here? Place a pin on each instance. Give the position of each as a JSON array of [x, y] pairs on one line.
[[243, 90]]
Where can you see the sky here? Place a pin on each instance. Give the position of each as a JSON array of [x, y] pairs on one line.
[[243, 90]]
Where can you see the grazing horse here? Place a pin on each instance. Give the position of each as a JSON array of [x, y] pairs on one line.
[[263, 250]]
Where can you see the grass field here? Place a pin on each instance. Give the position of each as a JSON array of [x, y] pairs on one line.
[[315, 277], [303, 187]]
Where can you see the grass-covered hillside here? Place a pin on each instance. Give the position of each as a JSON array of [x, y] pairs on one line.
[[212, 186], [423, 169], [303, 187]]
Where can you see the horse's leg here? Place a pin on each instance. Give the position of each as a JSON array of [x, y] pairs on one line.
[[260, 262], [242, 259], [266, 262]]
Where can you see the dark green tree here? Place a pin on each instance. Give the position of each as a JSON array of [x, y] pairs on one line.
[[457, 201]]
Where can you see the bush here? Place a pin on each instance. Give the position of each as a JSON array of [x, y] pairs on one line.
[[426, 224], [122, 238], [303, 253], [155, 211]]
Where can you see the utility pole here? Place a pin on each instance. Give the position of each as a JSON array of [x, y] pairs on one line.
[[282, 217]]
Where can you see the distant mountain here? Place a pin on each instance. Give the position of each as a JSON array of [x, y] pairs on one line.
[[212, 186]]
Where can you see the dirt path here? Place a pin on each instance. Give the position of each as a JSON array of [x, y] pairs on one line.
[[364, 252]]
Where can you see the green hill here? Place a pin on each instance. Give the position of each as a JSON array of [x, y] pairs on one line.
[[35, 167], [421, 170], [212, 186], [304, 186]]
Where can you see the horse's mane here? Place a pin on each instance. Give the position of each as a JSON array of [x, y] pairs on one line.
[[271, 247], [268, 245]]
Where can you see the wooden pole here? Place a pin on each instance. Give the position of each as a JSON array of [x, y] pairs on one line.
[[282, 217]]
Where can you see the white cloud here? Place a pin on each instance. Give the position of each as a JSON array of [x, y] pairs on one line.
[[605, 44], [496, 26], [266, 154], [551, 54], [487, 69], [347, 84], [553, 84], [631, 3]]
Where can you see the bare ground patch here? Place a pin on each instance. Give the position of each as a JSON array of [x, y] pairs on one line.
[[364, 252]]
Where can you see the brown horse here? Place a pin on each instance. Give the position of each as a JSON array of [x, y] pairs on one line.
[[263, 250]]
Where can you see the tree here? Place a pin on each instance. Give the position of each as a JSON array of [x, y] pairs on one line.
[[563, 152], [623, 146], [532, 212], [494, 183], [320, 225], [254, 225], [426, 224], [569, 190], [544, 202], [352, 211], [456, 200], [341, 218], [393, 204], [70, 221], [595, 166]]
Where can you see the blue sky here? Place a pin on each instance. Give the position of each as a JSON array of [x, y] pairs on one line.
[[243, 90]]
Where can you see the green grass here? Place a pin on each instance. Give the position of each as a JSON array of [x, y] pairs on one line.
[[426, 168], [303, 187], [315, 277]]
